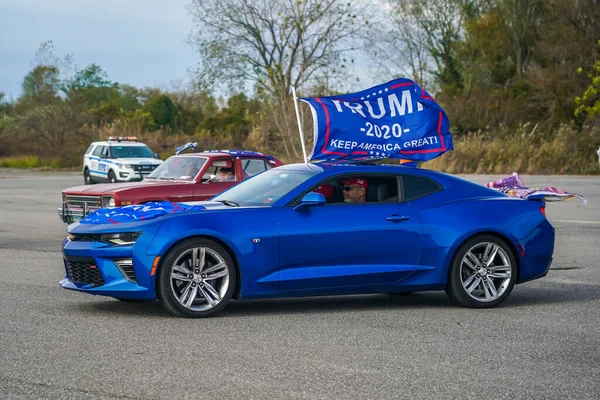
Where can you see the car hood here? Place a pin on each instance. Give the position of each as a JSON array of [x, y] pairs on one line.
[[141, 213], [111, 188], [138, 161]]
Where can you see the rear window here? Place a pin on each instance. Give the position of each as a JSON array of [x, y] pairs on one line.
[[415, 187]]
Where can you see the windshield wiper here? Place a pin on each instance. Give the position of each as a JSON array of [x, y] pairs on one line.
[[167, 178], [229, 203]]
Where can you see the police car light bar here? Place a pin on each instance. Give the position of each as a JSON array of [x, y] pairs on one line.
[[123, 138]]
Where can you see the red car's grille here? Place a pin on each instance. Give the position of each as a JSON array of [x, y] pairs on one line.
[[82, 201]]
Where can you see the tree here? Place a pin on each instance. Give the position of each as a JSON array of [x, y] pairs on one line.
[[275, 45], [90, 77], [440, 23], [521, 19], [163, 111], [588, 105], [41, 83]]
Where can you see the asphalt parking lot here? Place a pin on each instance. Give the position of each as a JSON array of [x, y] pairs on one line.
[[542, 343]]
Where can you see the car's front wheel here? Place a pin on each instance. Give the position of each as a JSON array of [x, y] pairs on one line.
[[87, 178], [196, 279], [112, 178], [483, 272]]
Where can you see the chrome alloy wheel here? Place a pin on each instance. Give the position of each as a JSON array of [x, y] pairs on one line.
[[485, 271], [199, 278]]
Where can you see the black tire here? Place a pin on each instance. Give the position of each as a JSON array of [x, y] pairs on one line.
[[199, 306], [484, 273], [87, 178], [112, 178]]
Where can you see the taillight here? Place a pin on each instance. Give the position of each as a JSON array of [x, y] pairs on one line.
[[543, 210]]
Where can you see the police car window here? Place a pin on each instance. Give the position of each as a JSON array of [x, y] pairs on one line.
[[131, 152], [415, 187], [89, 150], [98, 151], [252, 166], [104, 152]]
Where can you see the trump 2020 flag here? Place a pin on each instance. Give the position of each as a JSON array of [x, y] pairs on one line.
[[397, 119]]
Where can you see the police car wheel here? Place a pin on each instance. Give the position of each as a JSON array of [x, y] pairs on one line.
[[87, 178], [111, 177]]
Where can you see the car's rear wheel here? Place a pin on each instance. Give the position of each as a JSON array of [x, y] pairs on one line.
[[87, 178], [112, 178], [196, 279], [483, 272]]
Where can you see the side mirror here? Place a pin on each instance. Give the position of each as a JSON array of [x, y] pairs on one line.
[[311, 199], [157, 156]]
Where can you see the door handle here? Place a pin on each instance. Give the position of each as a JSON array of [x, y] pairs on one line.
[[397, 218]]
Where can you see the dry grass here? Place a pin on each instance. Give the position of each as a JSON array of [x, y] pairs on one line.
[[564, 151]]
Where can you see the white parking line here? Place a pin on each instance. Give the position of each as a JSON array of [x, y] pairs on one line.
[[569, 221]]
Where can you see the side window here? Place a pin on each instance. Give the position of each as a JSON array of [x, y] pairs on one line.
[[98, 151], [89, 150], [253, 166], [105, 152], [415, 187], [360, 189], [223, 169]]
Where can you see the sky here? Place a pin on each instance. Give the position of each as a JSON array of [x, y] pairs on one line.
[[142, 43], [137, 42]]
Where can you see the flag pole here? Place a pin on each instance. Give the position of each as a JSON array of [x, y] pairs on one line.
[[299, 125]]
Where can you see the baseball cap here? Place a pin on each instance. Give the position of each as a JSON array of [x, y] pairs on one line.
[[356, 182], [325, 189]]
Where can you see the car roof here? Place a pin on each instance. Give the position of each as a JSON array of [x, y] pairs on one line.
[[121, 143], [230, 153], [328, 169]]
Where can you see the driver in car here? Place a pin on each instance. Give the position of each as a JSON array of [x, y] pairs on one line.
[[225, 175], [355, 190]]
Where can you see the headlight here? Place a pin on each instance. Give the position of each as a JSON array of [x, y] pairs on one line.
[[64, 197], [120, 239], [108, 201], [126, 166]]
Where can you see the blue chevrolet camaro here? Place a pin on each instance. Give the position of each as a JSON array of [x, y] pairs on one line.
[[311, 230]]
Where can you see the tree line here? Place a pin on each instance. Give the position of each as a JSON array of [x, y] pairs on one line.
[[502, 69]]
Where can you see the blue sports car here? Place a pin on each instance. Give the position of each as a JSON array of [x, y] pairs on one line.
[[312, 230]]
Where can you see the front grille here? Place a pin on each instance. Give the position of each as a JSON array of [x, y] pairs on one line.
[[85, 237], [144, 168], [83, 270], [82, 201]]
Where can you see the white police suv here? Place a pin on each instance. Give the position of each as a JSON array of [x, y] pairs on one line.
[[119, 159]]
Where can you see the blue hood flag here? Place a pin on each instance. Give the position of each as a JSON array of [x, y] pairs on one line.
[[397, 119]]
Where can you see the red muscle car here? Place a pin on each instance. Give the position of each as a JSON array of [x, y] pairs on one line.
[[184, 177]]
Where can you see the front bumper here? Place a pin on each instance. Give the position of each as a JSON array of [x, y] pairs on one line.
[[73, 214], [132, 176], [94, 268]]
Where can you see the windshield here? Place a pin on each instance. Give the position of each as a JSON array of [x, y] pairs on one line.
[[131, 152], [182, 168], [265, 188]]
